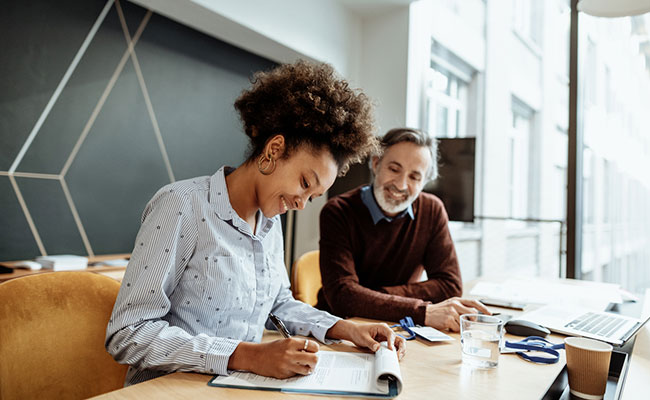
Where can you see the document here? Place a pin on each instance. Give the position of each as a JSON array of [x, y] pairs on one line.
[[337, 373], [431, 334]]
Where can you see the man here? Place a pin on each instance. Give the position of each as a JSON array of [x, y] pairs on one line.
[[377, 240]]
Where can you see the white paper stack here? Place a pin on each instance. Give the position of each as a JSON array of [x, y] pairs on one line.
[[65, 262]]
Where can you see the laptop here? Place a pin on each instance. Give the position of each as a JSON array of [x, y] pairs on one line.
[[576, 321]]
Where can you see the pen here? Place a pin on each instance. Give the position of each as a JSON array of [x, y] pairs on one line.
[[279, 325]]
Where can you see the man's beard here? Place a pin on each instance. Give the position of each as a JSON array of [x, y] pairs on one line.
[[389, 205]]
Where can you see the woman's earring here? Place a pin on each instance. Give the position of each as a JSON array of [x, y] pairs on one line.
[[270, 167]]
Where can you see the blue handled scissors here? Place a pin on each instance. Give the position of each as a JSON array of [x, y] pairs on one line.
[[536, 343], [406, 324]]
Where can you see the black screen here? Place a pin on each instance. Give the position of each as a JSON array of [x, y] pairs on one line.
[[455, 183]]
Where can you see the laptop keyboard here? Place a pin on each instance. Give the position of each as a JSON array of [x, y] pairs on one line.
[[596, 324]]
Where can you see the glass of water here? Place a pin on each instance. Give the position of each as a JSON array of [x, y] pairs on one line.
[[480, 340]]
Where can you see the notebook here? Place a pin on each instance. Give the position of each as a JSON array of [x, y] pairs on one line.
[[337, 374], [576, 321]]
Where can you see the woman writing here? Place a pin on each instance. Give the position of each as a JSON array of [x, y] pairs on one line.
[[207, 266]]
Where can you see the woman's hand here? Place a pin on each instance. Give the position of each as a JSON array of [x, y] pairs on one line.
[[368, 336], [446, 314], [278, 359]]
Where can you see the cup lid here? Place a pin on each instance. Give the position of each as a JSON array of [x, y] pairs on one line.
[[588, 344]]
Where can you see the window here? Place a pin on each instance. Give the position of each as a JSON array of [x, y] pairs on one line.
[[450, 94], [519, 159], [559, 176], [607, 184], [591, 78], [446, 103], [526, 19], [588, 185], [614, 117]]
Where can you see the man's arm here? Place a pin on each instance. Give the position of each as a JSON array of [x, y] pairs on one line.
[[440, 262], [345, 296]]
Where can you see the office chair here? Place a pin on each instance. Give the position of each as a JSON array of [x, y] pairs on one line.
[[52, 329], [305, 278]]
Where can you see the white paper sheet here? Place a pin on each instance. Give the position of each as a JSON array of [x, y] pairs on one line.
[[336, 371], [593, 295]]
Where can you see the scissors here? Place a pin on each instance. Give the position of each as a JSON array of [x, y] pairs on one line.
[[405, 324], [536, 343]]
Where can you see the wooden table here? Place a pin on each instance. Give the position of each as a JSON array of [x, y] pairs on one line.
[[428, 370], [110, 271]]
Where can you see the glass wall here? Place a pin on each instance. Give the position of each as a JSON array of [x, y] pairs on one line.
[[614, 99], [499, 72]]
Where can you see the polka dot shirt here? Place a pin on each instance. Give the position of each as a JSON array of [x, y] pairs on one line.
[[199, 282]]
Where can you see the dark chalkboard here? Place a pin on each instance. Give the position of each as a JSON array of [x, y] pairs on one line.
[[121, 127]]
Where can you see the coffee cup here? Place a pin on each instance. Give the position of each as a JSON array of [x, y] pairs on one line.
[[588, 366]]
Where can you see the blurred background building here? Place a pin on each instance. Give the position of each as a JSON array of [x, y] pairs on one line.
[[500, 72]]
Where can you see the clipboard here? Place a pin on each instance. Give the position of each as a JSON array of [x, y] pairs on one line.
[[336, 374]]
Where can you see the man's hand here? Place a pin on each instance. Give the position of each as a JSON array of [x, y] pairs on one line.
[[282, 358], [368, 336], [446, 315]]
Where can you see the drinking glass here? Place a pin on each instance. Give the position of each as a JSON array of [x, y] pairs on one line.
[[480, 340]]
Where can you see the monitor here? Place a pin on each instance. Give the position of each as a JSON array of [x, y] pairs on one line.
[[455, 182]]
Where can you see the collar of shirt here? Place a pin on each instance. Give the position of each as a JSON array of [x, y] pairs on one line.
[[220, 201], [377, 215]]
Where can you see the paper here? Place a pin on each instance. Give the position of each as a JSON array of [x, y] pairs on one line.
[[431, 334], [120, 262], [64, 262], [336, 372], [593, 295]]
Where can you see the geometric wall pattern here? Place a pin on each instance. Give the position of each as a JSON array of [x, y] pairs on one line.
[[101, 104]]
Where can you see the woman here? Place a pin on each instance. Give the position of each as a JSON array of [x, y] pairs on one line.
[[207, 267]]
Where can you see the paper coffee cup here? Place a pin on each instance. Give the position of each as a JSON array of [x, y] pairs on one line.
[[588, 365]]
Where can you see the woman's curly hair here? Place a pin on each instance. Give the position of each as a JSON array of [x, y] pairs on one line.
[[308, 104]]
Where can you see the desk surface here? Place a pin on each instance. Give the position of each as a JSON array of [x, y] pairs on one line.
[[637, 385], [428, 370]]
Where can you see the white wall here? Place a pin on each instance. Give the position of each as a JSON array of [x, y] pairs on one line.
[[321, 30], [384, 66]]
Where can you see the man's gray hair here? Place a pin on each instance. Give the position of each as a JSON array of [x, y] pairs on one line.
[[420, 138]]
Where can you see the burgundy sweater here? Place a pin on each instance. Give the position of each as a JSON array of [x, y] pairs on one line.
[[373, 270]]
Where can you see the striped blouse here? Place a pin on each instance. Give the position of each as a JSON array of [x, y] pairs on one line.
[[199, 282]]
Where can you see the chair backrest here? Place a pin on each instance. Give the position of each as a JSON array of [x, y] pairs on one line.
[[305, 278], [52, 329]]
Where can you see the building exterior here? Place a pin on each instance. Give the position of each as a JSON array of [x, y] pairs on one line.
[[499, 72]]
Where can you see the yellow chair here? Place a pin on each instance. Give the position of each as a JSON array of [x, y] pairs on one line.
[[305, 278], [52, 329]]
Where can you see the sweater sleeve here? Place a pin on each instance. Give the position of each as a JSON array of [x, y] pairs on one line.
[[440, 262], [345, 296]]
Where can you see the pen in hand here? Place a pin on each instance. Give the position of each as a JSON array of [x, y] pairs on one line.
[[279, 325]]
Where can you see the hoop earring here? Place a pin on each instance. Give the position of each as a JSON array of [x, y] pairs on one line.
[[270, 167]]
